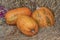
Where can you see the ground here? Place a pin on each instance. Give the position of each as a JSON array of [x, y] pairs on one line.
[[8, 32]]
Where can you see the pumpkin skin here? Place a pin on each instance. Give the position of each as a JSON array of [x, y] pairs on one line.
[[44, 17], [27, 25], [11, 15]]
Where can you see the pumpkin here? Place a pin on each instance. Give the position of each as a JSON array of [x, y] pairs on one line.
[[27, 25], [44, 17], [11, 15]]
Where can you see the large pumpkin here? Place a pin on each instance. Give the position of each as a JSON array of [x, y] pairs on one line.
[[11, 15], [27, 25], [43, 16]]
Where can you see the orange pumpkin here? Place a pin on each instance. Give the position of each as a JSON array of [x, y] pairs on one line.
[[27, 25], [11, 15], [44, 17]]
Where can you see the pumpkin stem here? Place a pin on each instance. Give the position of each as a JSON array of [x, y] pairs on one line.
[[32, 30], [38, 8]]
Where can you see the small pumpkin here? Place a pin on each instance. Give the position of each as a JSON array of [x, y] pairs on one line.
[[44, 17], [27, 25], [11, 15]]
